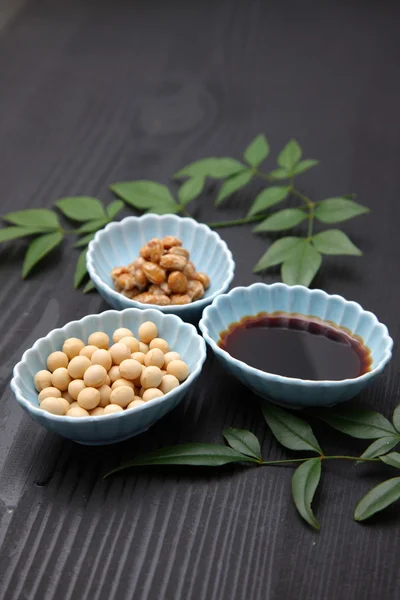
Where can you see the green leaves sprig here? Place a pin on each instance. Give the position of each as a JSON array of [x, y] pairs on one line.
[[297, 435], [300, 255], [305, 481], [92, 215], [243, 441], [39, 222], [44, 226], [150, 196], [367, 425], [301, 261], [380, 497], [290, 431]]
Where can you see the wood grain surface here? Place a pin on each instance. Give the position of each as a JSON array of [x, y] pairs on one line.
[[92, 92]]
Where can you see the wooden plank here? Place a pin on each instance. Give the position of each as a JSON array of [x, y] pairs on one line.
[[96, 92]]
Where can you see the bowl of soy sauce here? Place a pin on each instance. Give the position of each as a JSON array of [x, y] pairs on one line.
[[295, 346]]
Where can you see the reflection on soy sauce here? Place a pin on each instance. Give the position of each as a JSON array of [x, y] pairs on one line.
[[296, 346]]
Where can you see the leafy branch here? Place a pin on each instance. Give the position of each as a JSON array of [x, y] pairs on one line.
[[44, 227], [297, 435], [300, 256]]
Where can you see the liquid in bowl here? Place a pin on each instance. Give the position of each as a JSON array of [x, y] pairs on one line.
[[297, 346]]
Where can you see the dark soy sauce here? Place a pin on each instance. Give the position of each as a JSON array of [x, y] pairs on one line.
[[296, 346]]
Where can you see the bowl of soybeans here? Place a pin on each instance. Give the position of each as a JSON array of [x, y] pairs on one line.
[[170, 263], [110, 376]]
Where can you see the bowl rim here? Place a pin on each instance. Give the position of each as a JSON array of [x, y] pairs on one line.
[[14, 384], [172, 308], [203, 325]]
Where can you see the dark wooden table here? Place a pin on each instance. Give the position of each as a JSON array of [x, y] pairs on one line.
[[95, 92]]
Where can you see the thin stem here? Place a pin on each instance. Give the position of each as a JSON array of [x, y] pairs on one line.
[[297, 460], [220, 224], [310, 222], [282, 462], [356, 458], [302, 196], [309, 205], [76, 231], [264, 176], [183, 211], [293, 190]]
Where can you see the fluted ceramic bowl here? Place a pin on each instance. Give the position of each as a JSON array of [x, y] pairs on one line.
[[296, 393], [119, 244], [108, 429]]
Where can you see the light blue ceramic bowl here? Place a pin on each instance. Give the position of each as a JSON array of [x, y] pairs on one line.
[[296, 393], [182, 337], [119, 244]]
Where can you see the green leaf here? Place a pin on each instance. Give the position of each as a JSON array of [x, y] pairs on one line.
[[200, 455], [41, 219], [143, 193], [283, 219], [301, 267], [218, 168], [38, 249], [256, 151], [358, 422], [80, 269], [380, 446], [304, 484], [233, 184], [334, 241], [91, 226], [12, 233], [279, 251], [164, 209], [377, 499], [243, 441], [190, 189], [290, 431], [279, 174], [81, 208], [335, 210], [304, 166], [290, 155], [268, 197], [114, 208], [89, 287], [396, 418], [84, 241], [392, 459]]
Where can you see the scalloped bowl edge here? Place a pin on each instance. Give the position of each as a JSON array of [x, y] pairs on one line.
[[115, 427], [118, 300], [297, 393]]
